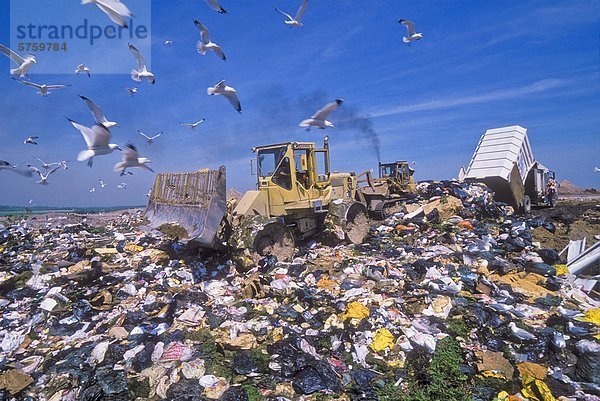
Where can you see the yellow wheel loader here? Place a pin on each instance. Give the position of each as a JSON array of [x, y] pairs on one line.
[[297, 197], [384, 195]]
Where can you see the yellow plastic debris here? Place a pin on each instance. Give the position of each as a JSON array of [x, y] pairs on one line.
[[561, 269], [592, 316], [133, 248], [383, 339], [327, 284], [491, 373], [356, 310], [532, 369], [502, 396], [536, 390]]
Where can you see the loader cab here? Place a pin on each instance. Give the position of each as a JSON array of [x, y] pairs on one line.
[[292, 174], [398, 170], [292, 164]]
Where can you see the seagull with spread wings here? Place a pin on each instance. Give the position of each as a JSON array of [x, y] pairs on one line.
[[131, 159], [43, 89], [116, 11], [214, 4], [43, 177], [295, 21], [23, 63], [150, 139], [319, 118], [99, 117], [142, 71], [227, 91], [132, 91], [205, 44], [193, 125], [412, 35], [96, 139], [47, 166], [32, 140], [81, 68]]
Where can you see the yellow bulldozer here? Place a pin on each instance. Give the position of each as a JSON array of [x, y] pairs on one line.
[[296, 197], [385, 195]]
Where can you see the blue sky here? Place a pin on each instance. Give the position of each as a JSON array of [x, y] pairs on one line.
[[480, 65]]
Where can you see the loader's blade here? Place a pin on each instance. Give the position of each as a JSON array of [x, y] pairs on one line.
[[189, 205]]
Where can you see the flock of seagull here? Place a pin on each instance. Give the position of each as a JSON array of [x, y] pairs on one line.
[[97, 137]]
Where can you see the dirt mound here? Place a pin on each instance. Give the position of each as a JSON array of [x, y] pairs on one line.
[[234, 193], [573, 222]]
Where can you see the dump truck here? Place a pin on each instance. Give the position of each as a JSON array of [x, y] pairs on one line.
[[384, 195], [504, 161], [296, 197]]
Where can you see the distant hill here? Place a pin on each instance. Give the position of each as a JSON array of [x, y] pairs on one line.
[[568, 188]]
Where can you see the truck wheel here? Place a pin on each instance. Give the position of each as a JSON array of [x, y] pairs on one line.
[[274, 239], [526, 205], [357, 223]]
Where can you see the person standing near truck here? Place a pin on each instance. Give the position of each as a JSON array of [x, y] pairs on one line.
[[551, 193]]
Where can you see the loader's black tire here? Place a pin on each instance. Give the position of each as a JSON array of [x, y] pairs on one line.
[[274, 239], [357, 224]]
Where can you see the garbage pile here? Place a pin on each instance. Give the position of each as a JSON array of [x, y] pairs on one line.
[[450, 299]]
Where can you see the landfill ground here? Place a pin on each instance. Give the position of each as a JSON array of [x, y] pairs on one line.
[[458, 300]]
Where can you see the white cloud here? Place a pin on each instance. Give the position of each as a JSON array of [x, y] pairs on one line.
[[458, 100]]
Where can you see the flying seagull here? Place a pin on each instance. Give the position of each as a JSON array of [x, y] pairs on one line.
[[47, 166], [131, 159], [102, 184], [24, 64], [81, 68], [122, 185], [142, 71], [319, 118], [4, 165], [193, 125], [296, 20], [214, 4], [150, 139], [520, 333], [31, 140], [168, 42], [93, 189], [412, 35], [205, 44], [96, 139], [44, 177], [63, 164], [98, 114], [116, 11], [44, 89], [596, 170], [227, 91], [132, 91]]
